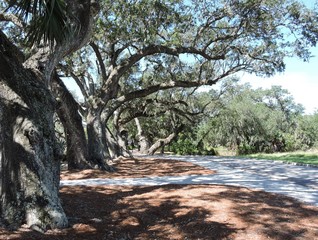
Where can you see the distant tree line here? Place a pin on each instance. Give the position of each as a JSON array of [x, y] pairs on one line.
[[250, 120]]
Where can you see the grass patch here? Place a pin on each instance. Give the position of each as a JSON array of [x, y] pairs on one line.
[[296, 157], [223, 151]]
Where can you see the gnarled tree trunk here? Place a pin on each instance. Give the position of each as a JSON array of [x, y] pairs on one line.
[[143, 141], [112, 144], [29, 167], [67, 110], [117, 140], [117, 144], [97, 143]]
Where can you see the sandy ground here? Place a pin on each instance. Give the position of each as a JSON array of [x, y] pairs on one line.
[[174, 211]]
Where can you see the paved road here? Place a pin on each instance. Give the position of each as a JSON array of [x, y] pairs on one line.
[[300, 182]]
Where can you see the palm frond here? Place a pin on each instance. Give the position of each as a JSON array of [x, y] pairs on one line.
[[48, 20]]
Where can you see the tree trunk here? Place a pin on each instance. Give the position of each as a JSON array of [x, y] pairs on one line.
[[160, 143], [117, 145], [67, 110], [29, 167], [143, 141], [122, 140], [113, 146], [97, 143], [117, 140]]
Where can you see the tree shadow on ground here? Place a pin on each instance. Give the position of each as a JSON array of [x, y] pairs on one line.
[[180, 212], [280, 217], [137, 168]]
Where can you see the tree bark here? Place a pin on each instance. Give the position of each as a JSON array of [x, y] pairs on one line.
[[97, 143], [143, 141], [117, 140], [113, 145], [117, 144], [67, 110], [29, 165]]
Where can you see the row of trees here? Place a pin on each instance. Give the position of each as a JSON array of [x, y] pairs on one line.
[[142, 59]]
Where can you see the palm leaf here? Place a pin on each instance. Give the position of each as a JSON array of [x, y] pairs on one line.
[[48, 20]]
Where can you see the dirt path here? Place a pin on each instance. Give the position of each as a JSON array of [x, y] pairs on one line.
[[175, 211]]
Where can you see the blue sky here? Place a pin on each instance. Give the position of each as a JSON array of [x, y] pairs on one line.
[[300, 78]]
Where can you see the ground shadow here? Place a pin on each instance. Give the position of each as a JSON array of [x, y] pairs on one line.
[[138, 168], [181, 212]]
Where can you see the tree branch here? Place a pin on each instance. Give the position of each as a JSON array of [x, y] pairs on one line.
[[100, 60], [141, 110], [8, 17], [119, 70], [80, 83]]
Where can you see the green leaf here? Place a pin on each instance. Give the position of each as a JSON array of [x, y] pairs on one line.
[[48, 20]]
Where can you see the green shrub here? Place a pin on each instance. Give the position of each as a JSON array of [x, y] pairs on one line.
[[245, 149], [187, 146]]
